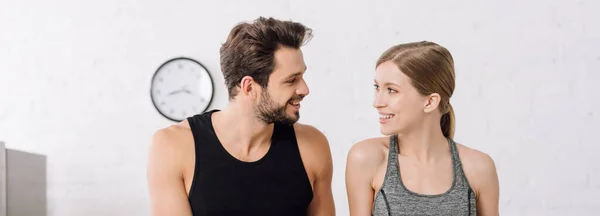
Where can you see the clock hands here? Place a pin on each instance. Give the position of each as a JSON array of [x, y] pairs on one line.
[[175, 92], [183, 89]]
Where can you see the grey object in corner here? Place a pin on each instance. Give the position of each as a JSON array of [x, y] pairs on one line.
[[24, 183], [2, 179]]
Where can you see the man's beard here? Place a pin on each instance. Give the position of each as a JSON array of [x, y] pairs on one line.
[[269, 112]]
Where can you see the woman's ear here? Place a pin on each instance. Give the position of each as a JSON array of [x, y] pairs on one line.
[[432, 102]]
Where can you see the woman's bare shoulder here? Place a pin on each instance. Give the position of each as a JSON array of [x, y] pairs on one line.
[[478, 166], [368, 153]]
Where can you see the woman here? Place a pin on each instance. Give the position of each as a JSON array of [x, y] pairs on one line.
[[417, 169]]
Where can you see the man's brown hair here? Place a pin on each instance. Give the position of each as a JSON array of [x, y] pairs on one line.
[[250, 49]]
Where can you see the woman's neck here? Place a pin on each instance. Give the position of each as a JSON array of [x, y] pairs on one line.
[[425, 143]]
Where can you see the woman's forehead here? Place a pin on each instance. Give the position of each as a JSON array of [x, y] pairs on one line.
[[390, 74]]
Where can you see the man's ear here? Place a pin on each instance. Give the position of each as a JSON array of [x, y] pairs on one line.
[[248, 87], [432, 102]]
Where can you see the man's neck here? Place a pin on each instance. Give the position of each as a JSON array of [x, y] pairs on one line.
[[238, 128]]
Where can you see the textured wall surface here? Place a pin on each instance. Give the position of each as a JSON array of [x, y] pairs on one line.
[[75, 75]]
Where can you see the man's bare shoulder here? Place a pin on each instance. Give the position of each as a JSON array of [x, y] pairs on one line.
[[170, 143], [479, 167], [368, 153], [171, 136], [314, 148], [310, 135], [312, 140]]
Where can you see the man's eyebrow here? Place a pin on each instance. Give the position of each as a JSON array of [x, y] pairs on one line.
[[293, 75], [297, 73]]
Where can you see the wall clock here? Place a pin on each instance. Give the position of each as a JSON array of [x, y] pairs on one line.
[[181, 87]]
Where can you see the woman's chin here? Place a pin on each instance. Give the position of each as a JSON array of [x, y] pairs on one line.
[[387, 131]]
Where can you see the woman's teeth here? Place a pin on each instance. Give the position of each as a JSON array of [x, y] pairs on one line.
[[386, 116]]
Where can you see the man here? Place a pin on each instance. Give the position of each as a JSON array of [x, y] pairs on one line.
[[250, 158]]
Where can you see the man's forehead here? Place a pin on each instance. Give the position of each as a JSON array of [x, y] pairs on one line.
[[289, 71], [289, 61]]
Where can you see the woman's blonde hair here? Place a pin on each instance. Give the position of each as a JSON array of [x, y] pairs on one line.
[[431, 70]]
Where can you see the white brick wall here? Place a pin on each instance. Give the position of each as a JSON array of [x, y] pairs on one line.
[[75, 79]]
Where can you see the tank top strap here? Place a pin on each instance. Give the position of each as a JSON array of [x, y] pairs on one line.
[[202, 120], [457, 164], [392, 163]]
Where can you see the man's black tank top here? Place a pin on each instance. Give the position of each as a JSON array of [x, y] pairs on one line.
[[276, 184]]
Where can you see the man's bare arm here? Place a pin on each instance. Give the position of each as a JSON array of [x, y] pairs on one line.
[[165, 176], [318, 154]]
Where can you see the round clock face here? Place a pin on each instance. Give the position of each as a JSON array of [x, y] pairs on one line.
[[180, 88]]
